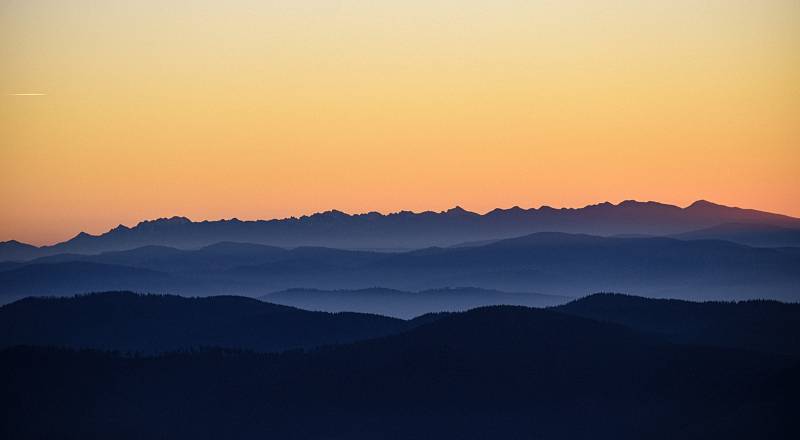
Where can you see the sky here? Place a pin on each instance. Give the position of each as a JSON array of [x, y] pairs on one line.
[[117, 111]]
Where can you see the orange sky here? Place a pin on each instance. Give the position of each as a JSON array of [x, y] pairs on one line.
[[251, 110]]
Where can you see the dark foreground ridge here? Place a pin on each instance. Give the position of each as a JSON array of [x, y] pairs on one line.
[[127, 321], [495, 372], [768, 326]]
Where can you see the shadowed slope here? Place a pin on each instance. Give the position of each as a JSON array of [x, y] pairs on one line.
[[157, 323], [758, 325], [498, 372]]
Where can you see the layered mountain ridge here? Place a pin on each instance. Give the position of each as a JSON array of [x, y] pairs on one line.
[[546, 262], [408, 230]]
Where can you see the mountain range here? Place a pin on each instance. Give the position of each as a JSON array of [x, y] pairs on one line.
[[408, 230], [549, 263]]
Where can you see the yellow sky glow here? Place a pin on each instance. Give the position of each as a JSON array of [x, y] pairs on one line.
[[255, 109]]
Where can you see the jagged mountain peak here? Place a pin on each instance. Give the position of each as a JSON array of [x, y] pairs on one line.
[[175, 220], [705, 204], [15, 243], [83, 235], [458, 210]]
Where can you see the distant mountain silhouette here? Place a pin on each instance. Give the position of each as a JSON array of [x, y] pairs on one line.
[[216, 257], [752, 234], [769, 326], [77, 276], [15, 251], [407, 229], [551, 263], [496, 372], [404, 304], [570, 264], [159, 323]]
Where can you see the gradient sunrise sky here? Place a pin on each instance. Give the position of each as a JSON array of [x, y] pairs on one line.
[[113, 112]]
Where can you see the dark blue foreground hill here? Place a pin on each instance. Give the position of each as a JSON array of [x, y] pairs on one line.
[[769, 326], [156, 323], [497, 372], [127, 321]]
